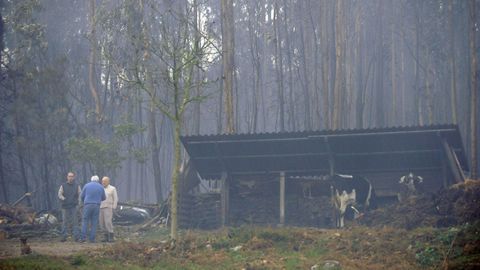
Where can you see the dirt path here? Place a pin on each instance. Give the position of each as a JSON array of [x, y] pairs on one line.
[[53, 247]]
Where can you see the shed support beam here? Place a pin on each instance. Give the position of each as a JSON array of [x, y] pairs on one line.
[[225, 198], [452, 160], [282, 198], [331, 158], [445, 173]]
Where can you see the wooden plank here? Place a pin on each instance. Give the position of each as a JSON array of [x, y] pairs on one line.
[[321, 154], [457, 162]]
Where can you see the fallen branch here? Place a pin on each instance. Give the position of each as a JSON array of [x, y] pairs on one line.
[[445, 260]]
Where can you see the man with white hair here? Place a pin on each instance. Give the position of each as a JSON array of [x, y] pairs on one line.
[[92, 195], [106, 209]]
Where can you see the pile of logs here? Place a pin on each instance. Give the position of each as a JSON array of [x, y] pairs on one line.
[[260, 210], [200, 211], [309, 211], [20, 221], [16, 214]]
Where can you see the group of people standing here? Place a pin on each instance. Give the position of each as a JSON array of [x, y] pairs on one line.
[[98, 200]]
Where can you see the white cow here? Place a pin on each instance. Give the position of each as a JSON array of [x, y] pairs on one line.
[[411, 185], [351, 192]]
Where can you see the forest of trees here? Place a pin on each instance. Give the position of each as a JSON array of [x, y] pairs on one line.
[[107, 87]]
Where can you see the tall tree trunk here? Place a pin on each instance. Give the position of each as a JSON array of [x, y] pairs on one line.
[[339, 67], [220, 109], [228, 60], [198, 72], [279, 67], [402, 81], [2, 44], [175, 175], [315, 69], [130, 112], [453, 68], [360, 66], [418, 90], [304, 66], [291, 107], [19, 147], [325, 63], [3, 184], [91, 65], [379, 106], [393, 118], [428, 90], [155, 147], [46, 172], [256, 70], [474, 90], [149, 85]]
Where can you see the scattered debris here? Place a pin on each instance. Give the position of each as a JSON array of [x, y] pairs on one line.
[[46, 219], [160, 219], [129, 215]]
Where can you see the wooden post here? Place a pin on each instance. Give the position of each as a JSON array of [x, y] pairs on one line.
[[444, 173], [282, 198], [225, 198], [331, 158]]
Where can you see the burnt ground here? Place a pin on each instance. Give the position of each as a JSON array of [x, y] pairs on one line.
[[430, 231], [10, 248]]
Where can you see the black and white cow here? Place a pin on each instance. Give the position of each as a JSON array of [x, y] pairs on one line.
[[351, 192], [411, 184]]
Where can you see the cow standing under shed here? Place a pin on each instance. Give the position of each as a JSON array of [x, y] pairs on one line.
[[411, 184], [351, 192]]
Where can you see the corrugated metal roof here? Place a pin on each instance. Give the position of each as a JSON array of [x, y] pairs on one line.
[[308, 152]]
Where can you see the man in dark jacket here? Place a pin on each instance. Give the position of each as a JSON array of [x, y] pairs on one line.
[[69, 194], [92, 195]]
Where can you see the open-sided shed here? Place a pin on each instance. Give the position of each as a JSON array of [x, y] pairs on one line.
[[381, 154]]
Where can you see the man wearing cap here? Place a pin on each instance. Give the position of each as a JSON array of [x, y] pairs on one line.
[[106, 209], [92, 195]]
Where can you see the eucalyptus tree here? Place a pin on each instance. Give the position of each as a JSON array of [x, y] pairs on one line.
[[473, 30], [228, 60]]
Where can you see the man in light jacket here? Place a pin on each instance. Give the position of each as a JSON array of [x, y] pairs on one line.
[[106, 209]]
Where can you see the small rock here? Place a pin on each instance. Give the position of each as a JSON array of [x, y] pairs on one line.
[[315, 267], [331, 265], [237, 248]]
